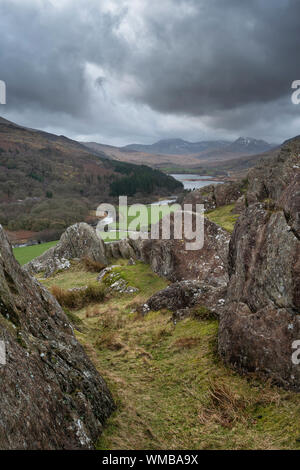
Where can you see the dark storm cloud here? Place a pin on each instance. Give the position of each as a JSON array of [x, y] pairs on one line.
[[120, 69], [44, 50], [225, 54]]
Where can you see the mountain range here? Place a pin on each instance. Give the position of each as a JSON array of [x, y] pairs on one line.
[[172, 154], [245, 145]]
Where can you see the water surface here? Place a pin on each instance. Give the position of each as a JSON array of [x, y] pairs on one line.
[[194, 181]]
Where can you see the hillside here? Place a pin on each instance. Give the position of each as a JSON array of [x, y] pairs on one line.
[[176, 146], [243, 145], [205, 156], [48, 182], [140, 157], [240, 165]]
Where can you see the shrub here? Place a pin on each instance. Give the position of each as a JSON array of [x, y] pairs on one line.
[[79, 297]]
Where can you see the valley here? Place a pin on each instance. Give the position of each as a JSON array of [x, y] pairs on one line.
[[153, 319], [215, 158], [48, 182], [149, 231]]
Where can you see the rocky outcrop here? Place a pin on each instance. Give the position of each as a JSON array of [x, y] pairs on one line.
[[262, 311], [78, 241], [181, 296], [270, 178], [170, 259], [52, 397], [215, 195], [114, 281]]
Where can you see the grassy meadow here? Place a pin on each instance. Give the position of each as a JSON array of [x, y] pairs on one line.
[[25, 254], [136, 220]]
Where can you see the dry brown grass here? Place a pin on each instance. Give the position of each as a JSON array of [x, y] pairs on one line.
[[110, 340], [185, 343], [111, 319], [78, 297], [227, 407], [91, 265]]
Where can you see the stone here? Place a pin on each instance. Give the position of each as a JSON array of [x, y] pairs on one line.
[[170, 259], [105, 271], [181, 296], [262, 310], [78, 241], [52, 397], [215, 195]]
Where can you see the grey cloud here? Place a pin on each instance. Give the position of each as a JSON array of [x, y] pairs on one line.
[[227, 54], [44, 51], [188, 68]]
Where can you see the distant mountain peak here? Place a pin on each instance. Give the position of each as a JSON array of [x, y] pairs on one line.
[[249, 140], [178, 146], [249, 145]]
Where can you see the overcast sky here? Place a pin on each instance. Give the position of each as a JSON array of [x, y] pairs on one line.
[[124, 71]]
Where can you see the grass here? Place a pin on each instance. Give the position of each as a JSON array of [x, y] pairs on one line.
[[76, 276], [78, 297], [25, 254], [171, 389], [224, 217], [140, 221]]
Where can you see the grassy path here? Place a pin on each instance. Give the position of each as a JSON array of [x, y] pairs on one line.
[[171, 389]]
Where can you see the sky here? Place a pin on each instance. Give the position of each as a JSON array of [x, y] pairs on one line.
[[136, 71]]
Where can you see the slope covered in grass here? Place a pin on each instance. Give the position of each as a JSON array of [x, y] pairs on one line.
[[224, 217], [24, 254], [171, 389]]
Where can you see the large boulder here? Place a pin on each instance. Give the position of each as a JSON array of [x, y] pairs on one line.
[[52, 397], [216, 195], [270, 178], [171, 259], [181, 296], [262, 311], [78, 241]]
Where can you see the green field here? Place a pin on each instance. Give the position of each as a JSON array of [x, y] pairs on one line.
[[139, 221], [25, 254]]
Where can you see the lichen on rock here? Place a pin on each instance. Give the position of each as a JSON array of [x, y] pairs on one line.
[[52, 397], [262, 311], [78, 241]]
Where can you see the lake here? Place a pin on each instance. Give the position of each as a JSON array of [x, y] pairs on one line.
[[194, 181]]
